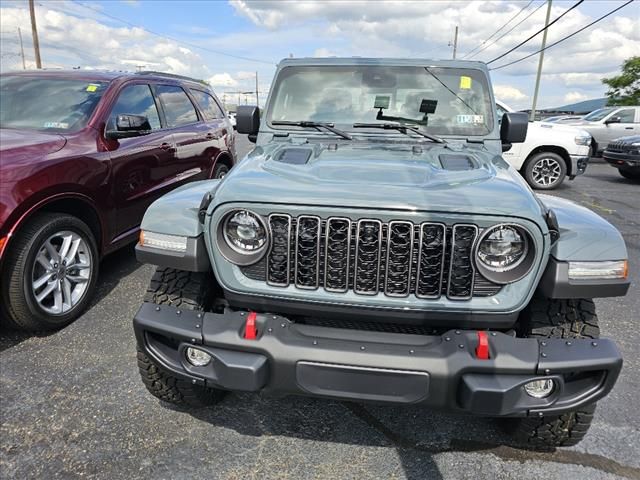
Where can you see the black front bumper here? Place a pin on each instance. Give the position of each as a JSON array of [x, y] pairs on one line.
[[440, 372], [622, 160]]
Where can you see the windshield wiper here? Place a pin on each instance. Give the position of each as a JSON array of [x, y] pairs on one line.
[[401, 127], [316, 125]]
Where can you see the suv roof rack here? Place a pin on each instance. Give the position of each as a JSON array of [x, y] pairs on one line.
[[169, 75]]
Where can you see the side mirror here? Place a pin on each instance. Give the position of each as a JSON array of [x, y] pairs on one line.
[[615, 119], [513, 127], [248, 120], [128, 126]]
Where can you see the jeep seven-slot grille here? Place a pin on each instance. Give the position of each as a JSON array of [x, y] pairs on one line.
[[370, 257]]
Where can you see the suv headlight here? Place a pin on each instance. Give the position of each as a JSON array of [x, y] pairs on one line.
[[504, 253], [242, 237], [244, 232], [583, 140]]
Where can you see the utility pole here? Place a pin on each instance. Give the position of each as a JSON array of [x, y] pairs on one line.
[[257, 100], [455, 43], [532, 117], [34, 33], [24, 66]]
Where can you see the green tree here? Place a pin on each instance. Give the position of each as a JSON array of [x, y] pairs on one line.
[[624, 89]]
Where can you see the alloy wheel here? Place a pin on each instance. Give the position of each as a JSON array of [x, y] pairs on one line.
[[546, 172], [61, 272]]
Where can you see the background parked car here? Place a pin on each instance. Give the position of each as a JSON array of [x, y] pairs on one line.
[[624, 154], [549, 153], [83, 154], [232, 119], [607, 124]]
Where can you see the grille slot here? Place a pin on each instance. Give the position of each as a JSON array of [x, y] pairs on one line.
[[370, 257], [399, 258], [367, 265], [337, 253], [307, 266], [461, 271], [431, 260], [279, 254]]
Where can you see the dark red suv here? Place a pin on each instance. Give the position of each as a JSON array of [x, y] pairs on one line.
[[82, 155]]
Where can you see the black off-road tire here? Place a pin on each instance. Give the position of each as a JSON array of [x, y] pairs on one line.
[[188, 291], [220, 170], [629, 175], [19, 307], [547, 318], [530, 164]]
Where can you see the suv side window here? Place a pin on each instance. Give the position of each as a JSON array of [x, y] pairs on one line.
[[208, 104], [626, 116], [135, 100], [178, 109]]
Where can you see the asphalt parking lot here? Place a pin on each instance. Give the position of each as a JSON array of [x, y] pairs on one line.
[[72, 404]]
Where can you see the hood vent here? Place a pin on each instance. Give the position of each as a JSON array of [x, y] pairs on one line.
[[457, 162], [294, 156]]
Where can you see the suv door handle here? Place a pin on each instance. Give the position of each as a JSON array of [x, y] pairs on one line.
[[211, 136], [165, 146], [628, 128]]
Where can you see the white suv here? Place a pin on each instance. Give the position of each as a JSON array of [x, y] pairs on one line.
[[550, 152]]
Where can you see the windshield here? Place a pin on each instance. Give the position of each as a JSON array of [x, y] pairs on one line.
[[599, 114], [442, 101], [47, 104]]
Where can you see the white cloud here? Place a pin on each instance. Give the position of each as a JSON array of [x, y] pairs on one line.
[[573, 97], [222, 80], [324, 52], [508, 93]]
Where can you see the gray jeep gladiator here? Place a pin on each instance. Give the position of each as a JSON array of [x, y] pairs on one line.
[[374, 246]]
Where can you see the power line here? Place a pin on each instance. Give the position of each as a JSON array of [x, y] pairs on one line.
[[166, 37], [498, 31], [510, 30], [565, 38], [536, 34]]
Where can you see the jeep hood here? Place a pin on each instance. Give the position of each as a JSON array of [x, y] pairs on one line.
[[449, 178]]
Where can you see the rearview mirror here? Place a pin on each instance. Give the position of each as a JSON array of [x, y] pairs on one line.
[[513, 127], [612, 120], [248, 120], [128, 126]]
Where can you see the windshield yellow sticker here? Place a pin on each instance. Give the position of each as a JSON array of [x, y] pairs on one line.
[[465, 83], [92, 87]]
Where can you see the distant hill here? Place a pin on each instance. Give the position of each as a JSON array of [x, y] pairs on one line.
[[582, 107]]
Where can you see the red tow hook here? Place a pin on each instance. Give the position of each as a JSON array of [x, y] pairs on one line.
[[250, 330], [482, 350]]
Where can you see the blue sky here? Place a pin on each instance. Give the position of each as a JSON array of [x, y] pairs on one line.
[[100, 34]]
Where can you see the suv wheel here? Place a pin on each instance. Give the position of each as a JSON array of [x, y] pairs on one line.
[[629, 175], [545, 170], [220, 171], [189, 291], [549, 318], [50, 272]]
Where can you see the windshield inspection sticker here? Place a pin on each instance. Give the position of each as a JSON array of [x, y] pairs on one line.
[[92, 87], [465, 83], [470, 119], [63, 125]]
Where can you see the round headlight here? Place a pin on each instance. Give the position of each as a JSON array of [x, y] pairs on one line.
[[502, 248], [245, 232]]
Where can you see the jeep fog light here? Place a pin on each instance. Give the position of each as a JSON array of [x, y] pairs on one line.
[[197, 357], [598, 270], [540, 388], [174, 243]]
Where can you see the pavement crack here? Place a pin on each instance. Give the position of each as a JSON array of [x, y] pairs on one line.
[[504, 452]]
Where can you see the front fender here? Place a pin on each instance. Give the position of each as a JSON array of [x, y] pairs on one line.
[[176, 213], [584, 237]]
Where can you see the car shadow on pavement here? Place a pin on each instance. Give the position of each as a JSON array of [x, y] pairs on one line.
[[416, 433], [113, 267]]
